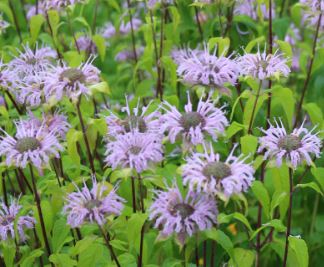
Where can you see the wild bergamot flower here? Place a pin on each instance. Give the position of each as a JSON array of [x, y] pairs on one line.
[[183, 216], [192, 125], [206, 172], [294, 147]]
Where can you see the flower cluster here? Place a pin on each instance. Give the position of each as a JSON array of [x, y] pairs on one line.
[[9, 218]]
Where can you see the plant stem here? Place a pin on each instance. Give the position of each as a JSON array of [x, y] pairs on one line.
[[59, 55], [310, 67], [85, 137], [213, 246], [205, 253], [71, 29], [107, 240], [270, 45], [132, 30], [15, 20], [40, 213], [14, 103], [198, 24], [197, 255], [140, 258], [133, 194], [22, 175], [4, 190], [159, 86], [254, 108], [311, 228], [289, 216], [259, 223]]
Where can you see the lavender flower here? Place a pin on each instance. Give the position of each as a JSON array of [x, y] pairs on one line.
[[312, 10], [85, 43], [128, 54], [108, 30], [134, 150], [151, 3], [183, 216], [194, 125], [200, 67], [136, 119], [72, 82], [55, 124], [205, 172], [262, 65], [9, 217], [35, 145], [6, 76], [31, 9], [59, 4], [250, 9], [295, 147], [32, 61], [125, 27], [92, 205]]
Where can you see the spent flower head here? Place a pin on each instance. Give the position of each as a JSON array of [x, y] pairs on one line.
[[183, 216], [294, 147]]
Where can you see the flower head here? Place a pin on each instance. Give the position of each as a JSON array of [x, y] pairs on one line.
[[136, 119], [294, 147], [134, 150], [92, 205], [6, 76], [85, 43], [32, 61], [312, 9], [194, 125], [58, 4], [3, 24], [128, 54], [33, 144], [250, 9], [70, 81], [182, 215], [262, 65], [201, 67], [125, 27], [8, 218], [205, 172], [108, 30]]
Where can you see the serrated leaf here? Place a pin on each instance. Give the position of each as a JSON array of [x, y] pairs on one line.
[[299, 246], [60, 234], [262, 195], [244, 257], [101, 45], [36, 23], [311, 185], [249, 144], [222, 239]]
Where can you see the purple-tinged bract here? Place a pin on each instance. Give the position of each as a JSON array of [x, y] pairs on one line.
[[33, 144], [174, 214], [192, 125], [9, 217], [205, 172], [134, 150], [294, 147], [92, 205]]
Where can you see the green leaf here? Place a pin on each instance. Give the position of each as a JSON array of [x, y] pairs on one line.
[[311, 185], [249, 144], [60, 234], [48, 217], [91, 255], [30, 259], [222, 45], [285, 47], [299, 246], [101, 87], [134, 227], [285, 98], [277, 198], [54, 20], [319, 176], [222, 239], [276, 224], [315, 113], [253, 43], [72, 137], [244, 257], [262, 195], [233, 129], [119, 244], [36, 23], [101, 45], [8, 253], [62, 260], [82, 245]]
